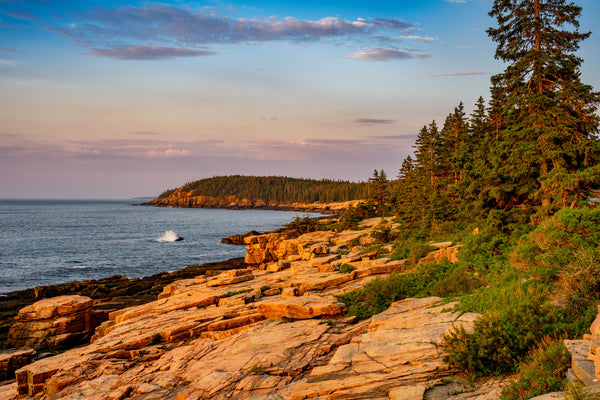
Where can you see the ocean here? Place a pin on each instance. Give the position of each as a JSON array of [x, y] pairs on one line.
[[45, 242]]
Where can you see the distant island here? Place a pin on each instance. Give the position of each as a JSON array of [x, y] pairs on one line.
[[265, 192]]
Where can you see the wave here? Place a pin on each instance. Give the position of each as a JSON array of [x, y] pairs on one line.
[[168, 236], [78, 267]]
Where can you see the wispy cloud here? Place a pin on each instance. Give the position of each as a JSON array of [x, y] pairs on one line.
[[372, 121], [424, 39], [168, 153], [161, 23], [386, 54], [9, 50], [20, 15], [148, 53], [460, 73], [157, 31], [456, 1]]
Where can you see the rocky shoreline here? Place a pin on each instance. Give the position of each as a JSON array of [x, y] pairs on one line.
[[269, 327], [109, 294]]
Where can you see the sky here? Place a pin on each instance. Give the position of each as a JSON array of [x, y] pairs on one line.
[[122, 99]]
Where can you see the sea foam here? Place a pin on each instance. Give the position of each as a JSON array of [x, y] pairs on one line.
[[168, 236]]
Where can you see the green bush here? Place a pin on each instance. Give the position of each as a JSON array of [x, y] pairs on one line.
[[410, 249], [542, 371], [549, 249], [384, 234], [501, 336], [353, 215], [443, 279], [376, 296], [346, 268]]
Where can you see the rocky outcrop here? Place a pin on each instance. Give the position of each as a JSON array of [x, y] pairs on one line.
[[446, 252], [273, 330], [53, 324], [111, 293], [273, 334], [279, 247]]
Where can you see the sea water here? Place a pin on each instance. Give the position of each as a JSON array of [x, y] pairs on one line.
[[45, 242]]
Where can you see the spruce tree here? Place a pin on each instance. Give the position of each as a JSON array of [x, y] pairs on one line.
[[546, 144]]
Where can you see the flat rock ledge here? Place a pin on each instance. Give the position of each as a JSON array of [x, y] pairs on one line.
[[261, 334]]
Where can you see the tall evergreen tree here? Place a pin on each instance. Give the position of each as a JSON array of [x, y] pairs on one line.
[[547, 147]]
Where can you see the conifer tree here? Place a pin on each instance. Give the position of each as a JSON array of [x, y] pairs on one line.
[[427, 152], [545, 145]]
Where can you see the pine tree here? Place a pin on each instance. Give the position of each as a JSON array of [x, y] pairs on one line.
[[547, 147], [379, 189], [427, 152]]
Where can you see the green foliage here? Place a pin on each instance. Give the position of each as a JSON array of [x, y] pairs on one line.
[[264, 288], [542, 371], [552, 246], [238, 292], [302, 225], [257, 369], [580, 392], [346, 268], [410, 249], [444, 279], [352, 216], [384, 234], [501, 336], [276, 189]]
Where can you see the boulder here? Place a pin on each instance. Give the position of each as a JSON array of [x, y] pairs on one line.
[[53, 324]]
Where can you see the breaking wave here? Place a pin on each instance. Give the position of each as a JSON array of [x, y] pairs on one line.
[[168, 236]]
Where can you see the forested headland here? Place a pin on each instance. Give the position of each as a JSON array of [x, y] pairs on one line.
[[268, 190]]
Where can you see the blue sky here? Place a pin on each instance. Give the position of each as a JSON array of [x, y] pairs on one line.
[[117, 99]]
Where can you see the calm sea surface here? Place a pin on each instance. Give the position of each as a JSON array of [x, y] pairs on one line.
[[45, 242]]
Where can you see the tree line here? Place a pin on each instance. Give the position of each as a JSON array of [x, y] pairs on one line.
[[275, 189], [529, 151]]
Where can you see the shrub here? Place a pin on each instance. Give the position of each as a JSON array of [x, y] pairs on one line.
[[238, 292], [346, 268], [553, 244], [579, 282], [353, 215], [303, 225], [542, 371], [501, 336], [376, 296], [442, 279], [384, 234], [411, 249]]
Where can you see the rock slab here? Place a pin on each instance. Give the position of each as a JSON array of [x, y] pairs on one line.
[[53, 324]]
